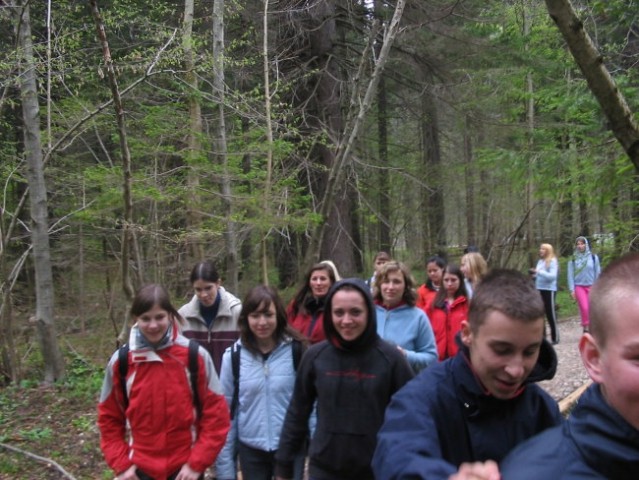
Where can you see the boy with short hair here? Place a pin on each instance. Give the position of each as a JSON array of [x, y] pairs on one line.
[[477, 405], [601, 437]]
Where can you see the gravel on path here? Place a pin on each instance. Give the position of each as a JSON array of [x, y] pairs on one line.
[[571, 373]]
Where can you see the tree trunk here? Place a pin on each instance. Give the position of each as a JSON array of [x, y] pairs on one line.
[[601, 84], [51, 354], [221, 154], [127, 223], [193, 206]]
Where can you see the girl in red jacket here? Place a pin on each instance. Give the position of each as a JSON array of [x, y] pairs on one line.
[[448, 310], [426, 293], [155, 431]]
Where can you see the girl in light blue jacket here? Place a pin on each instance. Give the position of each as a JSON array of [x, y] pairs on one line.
[[545, 274], [258, 375], [399, 321], [583, 270]]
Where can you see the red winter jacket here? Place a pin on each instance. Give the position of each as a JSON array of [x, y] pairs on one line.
[[309, 325], [159, 431], [446, 322], [425, 297]]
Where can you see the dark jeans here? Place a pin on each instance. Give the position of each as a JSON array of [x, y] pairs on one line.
[[260, 465], [143, 476], [548, 297]]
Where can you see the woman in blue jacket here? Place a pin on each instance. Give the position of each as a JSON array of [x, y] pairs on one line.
[[545, 275], [265, 364], [583, 270], [399, 321]]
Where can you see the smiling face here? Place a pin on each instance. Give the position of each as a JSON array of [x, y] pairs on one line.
[[320, 283], [392, 288], [615, 365], [434, 273], [349, 314], [206, 291], [581, 245], [503, 351], [262, 322], [154, 323]]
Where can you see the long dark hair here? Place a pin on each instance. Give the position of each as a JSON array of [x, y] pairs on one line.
[[440, 298], [305, 290], [259, 299], [149, 296]]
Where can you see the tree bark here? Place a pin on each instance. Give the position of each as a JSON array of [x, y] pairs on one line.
[[601, 84], [193, 216], [127, 223], [51, 354]]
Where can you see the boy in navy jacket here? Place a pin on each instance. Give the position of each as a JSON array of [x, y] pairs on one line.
[[601, 437], [476, 406]]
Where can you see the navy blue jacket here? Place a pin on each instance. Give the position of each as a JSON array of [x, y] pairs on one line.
[[443, 417], [595, 442], [352, 383]]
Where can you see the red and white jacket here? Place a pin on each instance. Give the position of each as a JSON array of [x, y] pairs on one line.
[[159, 431], [446, 322]]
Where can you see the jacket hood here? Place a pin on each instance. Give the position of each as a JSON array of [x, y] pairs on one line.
[[370, 332], [585, 240], [546, 365]]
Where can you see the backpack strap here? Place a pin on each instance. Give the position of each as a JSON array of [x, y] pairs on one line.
[[235, 367], [123, 368], [193, 373], [297, 351]]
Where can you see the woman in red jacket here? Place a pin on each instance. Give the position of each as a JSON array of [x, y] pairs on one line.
[[155, 431], [448, 310], [426, 293], [306, 311]]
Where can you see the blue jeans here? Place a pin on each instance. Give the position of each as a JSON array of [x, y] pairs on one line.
[[260, 465]]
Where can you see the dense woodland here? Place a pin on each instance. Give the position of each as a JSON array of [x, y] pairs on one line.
[[139, 137]]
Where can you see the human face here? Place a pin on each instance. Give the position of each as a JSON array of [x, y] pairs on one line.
[[154, 323], [542, 252], [379, 263], [615, 365], [349, 314], [262, 323], [581, 245], [206, 291], [503, 352], [434, 272], [392, 288], [319, 282], [451, 284]]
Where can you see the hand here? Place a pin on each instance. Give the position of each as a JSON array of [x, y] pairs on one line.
[[128, 474], [187, 473], [402, 351], [572, 294], [477, 471], [281, 478]]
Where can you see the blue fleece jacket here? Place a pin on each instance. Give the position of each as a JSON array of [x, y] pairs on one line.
[[546, 276], [409, 328]]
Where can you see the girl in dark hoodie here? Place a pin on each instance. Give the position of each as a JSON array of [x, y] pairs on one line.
[[352, 376]]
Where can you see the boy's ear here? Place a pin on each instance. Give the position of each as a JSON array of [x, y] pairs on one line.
[[591, 357], [466, 333]]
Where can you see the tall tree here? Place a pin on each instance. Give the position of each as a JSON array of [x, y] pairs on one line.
[[52, 356], [603, 86]]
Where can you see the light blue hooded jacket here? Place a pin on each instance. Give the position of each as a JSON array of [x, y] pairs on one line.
[[408, 327], [583, 268], [265, 391]]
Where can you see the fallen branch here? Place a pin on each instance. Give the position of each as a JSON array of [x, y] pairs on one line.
[[48, 461], [566, 404]]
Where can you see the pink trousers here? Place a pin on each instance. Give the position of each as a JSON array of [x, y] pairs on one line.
[[581, 295]]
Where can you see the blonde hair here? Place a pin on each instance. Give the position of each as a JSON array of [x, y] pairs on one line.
[[477, 266], [550, 253]]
